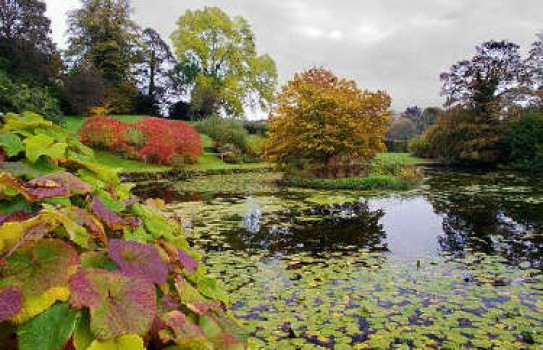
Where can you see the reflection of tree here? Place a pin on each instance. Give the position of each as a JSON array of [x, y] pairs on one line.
[[317, 229], [491, 222]]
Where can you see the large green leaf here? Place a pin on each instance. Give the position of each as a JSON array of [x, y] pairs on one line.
[[25, 120], [12, 144], [49, 330], [37, 146]]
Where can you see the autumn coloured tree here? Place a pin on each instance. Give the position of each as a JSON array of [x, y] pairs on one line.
[[321, 119], [220, 65]]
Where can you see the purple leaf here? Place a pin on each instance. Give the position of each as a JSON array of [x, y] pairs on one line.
[[138, 259], [10, 302], [47, 192], [187, 261], [64, 180], [111, 219], [118, 304]]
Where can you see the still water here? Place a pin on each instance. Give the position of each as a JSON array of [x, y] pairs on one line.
[[453, 264]]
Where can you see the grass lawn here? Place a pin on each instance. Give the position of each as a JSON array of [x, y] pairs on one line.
[[402, 158]]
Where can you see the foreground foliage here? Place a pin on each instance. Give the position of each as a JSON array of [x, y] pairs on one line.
[[86, 265], [152, 140]]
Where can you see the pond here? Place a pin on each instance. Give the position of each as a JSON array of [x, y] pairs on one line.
[[453, 264]]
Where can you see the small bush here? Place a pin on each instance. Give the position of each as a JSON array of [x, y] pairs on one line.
[[224, 131], [152, 140], [420, 147]]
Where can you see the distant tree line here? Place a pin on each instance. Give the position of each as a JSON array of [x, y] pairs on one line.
[[494, 109], [113, 63]]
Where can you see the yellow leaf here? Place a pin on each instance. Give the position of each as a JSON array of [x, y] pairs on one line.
[[124, 342], [34, 305]]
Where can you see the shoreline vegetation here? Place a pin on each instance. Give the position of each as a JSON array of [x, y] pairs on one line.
[[386, 171]]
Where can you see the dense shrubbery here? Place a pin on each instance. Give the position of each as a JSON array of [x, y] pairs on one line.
[[86, 265], [230, 138], [420, 147], [524, 142], [152, 140], [18, 97]]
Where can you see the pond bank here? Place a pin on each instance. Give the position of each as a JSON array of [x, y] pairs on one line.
[[185, 174]]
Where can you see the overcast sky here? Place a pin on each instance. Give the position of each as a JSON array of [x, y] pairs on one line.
[[399, 46]]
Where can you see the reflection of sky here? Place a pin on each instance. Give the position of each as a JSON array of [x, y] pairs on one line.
[[411, 226]]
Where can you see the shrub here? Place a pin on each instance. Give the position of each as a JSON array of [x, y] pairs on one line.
[[19, 97], [152, 140], [224, 131], [85, 264], [524, 142], [420, 147]]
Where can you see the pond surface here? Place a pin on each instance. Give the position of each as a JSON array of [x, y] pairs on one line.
[[454, 264]]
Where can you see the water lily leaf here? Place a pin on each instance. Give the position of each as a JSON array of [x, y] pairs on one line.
[[113, 221], [118, 304], [10, 302], [11, 144], [49, 330], [139, 260], [124, 342]]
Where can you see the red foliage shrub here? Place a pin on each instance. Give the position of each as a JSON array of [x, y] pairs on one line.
[[152, 140]]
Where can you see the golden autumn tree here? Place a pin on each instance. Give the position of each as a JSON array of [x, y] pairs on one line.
[[322, 120]]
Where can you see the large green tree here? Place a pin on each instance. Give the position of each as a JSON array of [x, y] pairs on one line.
[[103, 34], [26, 50], [219, 63]]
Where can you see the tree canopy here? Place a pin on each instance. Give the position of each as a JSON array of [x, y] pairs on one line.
[[157, 79], [218, 61], [102, 34], [319, 117], [26, 49]]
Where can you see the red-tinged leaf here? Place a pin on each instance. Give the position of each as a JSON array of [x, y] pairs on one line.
[[42, 193], [169, 303], [111, 219], [62, 180], [202, 308], [11, 301], [118, 304], [187, 261], [40, 266], [11, 182], [17, 216], [139, 260], [183, 328], [87, 220]]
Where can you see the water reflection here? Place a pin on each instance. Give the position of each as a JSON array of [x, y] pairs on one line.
[[316, 229], [491, 213], [453, 213]]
